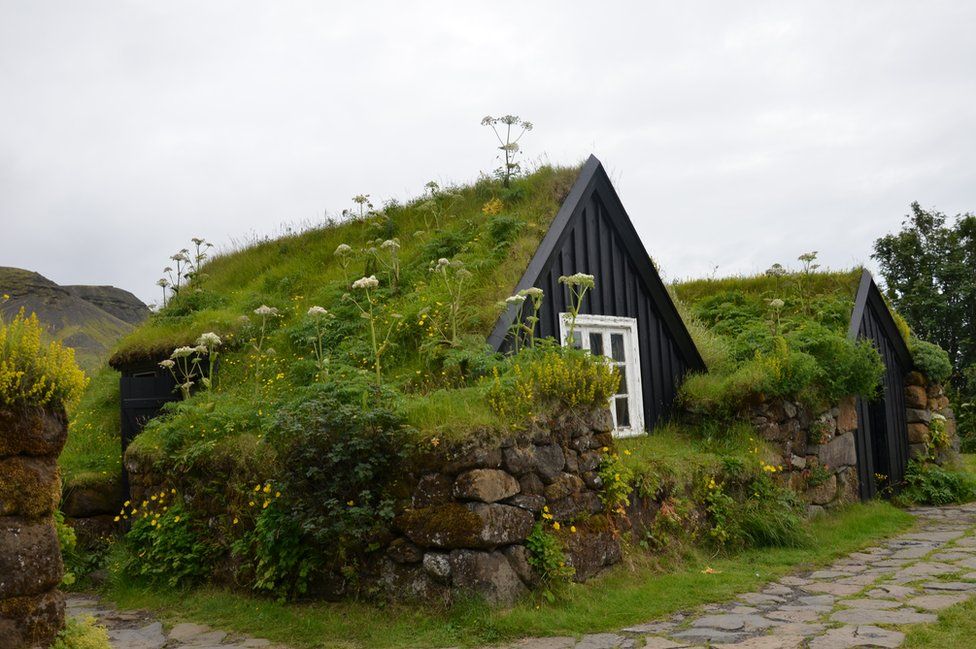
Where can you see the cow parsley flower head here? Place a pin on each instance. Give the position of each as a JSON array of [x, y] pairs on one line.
[[182, 352], [317, 311], [777, 303], [578, 279], [201, 349], [199, 241], [534, 292], [209, 339], [390, 244], [264, 310], [515, 299], [342, 250], [163, 282], [167, 364], [366, 282], [776, 270]]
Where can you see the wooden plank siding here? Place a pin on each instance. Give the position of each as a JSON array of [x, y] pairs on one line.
[[882, 432], [592, 234]]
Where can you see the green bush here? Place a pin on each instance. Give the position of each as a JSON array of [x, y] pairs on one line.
[[931, 360], [550, 376], [848, 368], [930, 484], [33, 373], [275, 557], [547, 557], [340, 446], [81, 633], [166, 547]]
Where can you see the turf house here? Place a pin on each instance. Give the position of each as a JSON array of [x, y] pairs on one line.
[[448, 396]]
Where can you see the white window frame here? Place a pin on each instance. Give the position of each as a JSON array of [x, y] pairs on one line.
[[635, 393]]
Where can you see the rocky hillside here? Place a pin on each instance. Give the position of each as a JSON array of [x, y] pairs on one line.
[[91, 319]]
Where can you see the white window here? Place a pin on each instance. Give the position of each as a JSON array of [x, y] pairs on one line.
[[615, 339]]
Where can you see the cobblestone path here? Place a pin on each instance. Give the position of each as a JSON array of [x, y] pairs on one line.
[[140, 630], [855, 602]]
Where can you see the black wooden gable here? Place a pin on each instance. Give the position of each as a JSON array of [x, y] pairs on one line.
[[593, 234], [882, 431]]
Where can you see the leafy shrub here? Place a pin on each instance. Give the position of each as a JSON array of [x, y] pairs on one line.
[[848, 368], [617, 481], [930, 484], [547, 557], [191, 300], [551, 376], [165, 547], [32, 373], [68, 543], [82, 633], [339, 445], [931, 360], [275, 554]]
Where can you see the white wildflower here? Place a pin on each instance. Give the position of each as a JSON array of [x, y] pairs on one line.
[[317, 311], [515, 299], [182, 352], [167, 364], [578, 279], [533, 292], [391, 244], [366, 282], [342, 250], [777, 303], [265, 310], [209, 339]]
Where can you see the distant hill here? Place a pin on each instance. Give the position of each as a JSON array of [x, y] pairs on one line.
[[91, 319]]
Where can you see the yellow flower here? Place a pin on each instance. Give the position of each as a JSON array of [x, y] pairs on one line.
[[235, 521], [251, 504], [277, 494], [153, 522], [267, 488], [172, 491], [572, 528], [555, 525], [257, 488], [116, 519], [176, 519], [265, 505]]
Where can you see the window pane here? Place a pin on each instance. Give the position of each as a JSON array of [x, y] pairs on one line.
[[617, 347], [622, 388], [623, 412], [596, 344]]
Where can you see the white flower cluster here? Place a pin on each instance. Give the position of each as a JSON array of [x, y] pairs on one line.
[[366, 283], [342, 250], [316, 311], [209, 340], [265, 310], [578, 279]]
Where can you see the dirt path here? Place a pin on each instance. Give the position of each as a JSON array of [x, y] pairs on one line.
[[852, 603]]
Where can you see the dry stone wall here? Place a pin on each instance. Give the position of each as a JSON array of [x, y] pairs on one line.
[[31, 607], [472, 509], [926, 401], [817, 453]]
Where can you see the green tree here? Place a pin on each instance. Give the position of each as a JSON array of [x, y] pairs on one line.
[[929, 268]]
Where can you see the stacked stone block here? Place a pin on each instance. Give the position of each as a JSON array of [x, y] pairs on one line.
[[924, 400], [31, 607], [473, 508], [818, 456]]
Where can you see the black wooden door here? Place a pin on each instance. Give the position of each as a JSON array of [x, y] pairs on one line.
[[142, 398]]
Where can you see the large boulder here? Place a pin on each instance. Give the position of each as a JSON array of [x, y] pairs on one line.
[[433, 489], [838, 452], [30, 557], [29, 486], [847, 415], [488, 574], [918, 433], [31, 621], [824, 493], [591, 551], [916, 397], [32, 431], [477, 525], [485, 485], [93, 497]]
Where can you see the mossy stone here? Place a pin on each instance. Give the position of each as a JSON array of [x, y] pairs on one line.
[[30, 558], [32, 431], [29, 486], [31, 621]]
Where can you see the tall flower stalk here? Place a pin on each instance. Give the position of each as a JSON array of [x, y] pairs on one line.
[[265, 312], [453, 275], [319, 317], [576, 286], [367, 309]]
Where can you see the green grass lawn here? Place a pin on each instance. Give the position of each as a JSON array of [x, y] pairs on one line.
[[956, 628], [637, 591]]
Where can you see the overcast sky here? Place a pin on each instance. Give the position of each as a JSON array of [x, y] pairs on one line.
[[738, 134]]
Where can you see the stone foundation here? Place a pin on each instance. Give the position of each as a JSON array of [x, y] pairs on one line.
[[926, 401], [817, 452], [31, 607], [472, 509]]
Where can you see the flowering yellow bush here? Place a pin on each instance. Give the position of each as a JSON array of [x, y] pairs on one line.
[[33, 373]]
